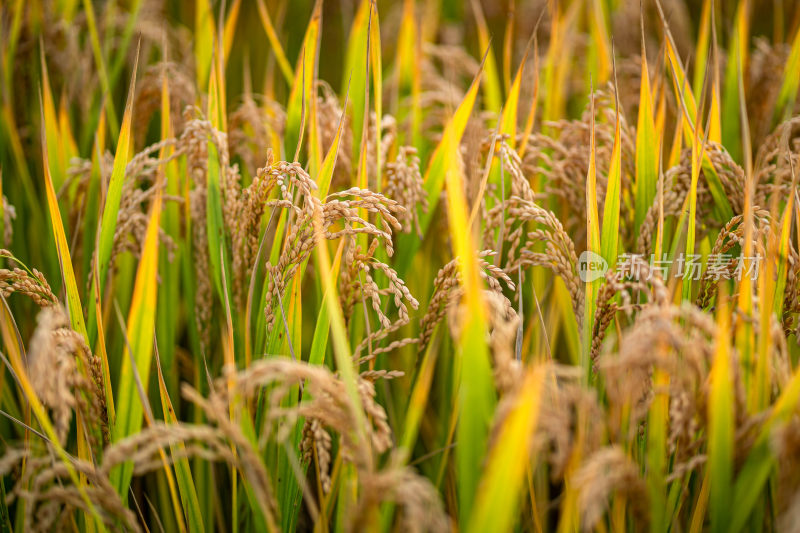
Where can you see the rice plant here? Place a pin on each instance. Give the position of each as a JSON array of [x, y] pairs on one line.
[[370, 265]]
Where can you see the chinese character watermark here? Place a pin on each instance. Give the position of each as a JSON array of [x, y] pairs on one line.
[[718, 266]]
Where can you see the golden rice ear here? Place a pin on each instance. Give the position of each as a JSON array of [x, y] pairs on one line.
[[559, 254], [404, 184], [607, 472]]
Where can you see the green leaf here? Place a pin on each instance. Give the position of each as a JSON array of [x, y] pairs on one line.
[[302, 91], [497, 503], [609, 239], [593, 244], [721, 425], [140, 332], [108, 222], [647, 149], [408, 244], [737, 61], [492, 88], [791, 82], [274, 42]]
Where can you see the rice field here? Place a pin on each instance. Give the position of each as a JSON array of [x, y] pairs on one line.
[[373, 265]]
